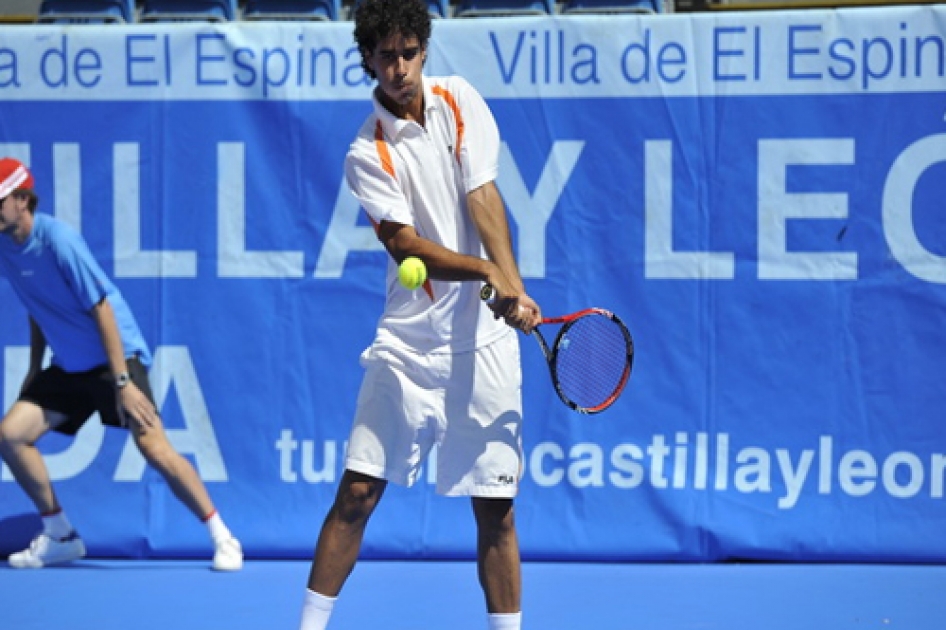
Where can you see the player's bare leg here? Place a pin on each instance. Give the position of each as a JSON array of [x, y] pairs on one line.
[[58, 542], [180, 475], [190, 490], [23, 425], [497, 547], [343, 531]]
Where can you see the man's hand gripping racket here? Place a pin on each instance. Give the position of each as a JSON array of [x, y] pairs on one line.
[[591, 358]]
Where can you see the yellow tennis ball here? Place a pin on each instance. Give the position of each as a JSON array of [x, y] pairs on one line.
[[412, 273]]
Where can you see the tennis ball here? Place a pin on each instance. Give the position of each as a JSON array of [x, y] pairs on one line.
[[412, 273]]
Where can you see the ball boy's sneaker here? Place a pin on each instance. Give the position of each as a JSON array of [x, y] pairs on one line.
[[46, 550], [228, 555]]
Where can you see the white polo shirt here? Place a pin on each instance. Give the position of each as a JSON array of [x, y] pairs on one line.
[[402, 172]]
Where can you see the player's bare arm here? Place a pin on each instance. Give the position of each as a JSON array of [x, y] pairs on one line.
[[403, 240], [37, 352], [489, 215], [131, 400]]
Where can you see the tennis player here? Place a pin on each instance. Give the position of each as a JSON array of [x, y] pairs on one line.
[[442, 370], [99, 363]]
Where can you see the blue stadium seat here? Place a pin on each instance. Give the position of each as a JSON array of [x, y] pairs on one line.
[[292, 10], [188, 10], [439, 8], [490, 8], [86, 11], [611, 6]]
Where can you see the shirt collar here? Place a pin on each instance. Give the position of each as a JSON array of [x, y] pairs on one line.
[[394, 126]]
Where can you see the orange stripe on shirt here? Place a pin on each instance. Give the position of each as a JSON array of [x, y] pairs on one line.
[[383, 153], [452, 103], [429, 289], [386, 163]]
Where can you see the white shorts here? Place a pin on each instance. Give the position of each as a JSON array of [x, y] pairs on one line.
[[469, 405]]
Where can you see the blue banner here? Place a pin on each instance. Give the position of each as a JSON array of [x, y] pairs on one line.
[[758, 195]]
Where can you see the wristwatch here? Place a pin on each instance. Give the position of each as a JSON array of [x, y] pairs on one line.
[[122, 380]]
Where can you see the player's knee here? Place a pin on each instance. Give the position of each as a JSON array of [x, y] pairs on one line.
[[9, 438], [357, 500], [22, 426], [494, 516]]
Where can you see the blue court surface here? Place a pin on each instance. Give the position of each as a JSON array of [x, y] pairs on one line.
[[267, 595]]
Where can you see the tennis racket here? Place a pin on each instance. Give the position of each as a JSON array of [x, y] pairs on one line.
[[591, 358]]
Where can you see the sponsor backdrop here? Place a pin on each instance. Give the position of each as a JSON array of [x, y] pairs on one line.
[[759, 195]]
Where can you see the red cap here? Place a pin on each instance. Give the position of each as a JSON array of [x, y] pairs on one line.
[[13, 175]]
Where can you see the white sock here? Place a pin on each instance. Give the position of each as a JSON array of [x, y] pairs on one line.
[[215, 525], [505, 621], [57, 525], [316, 610]]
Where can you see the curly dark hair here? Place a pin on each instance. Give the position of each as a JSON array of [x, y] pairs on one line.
[[378, 19]]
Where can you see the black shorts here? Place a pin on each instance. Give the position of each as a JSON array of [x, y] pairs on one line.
[[80, 394]]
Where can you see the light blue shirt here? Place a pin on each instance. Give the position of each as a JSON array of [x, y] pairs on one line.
[[57, 279]]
